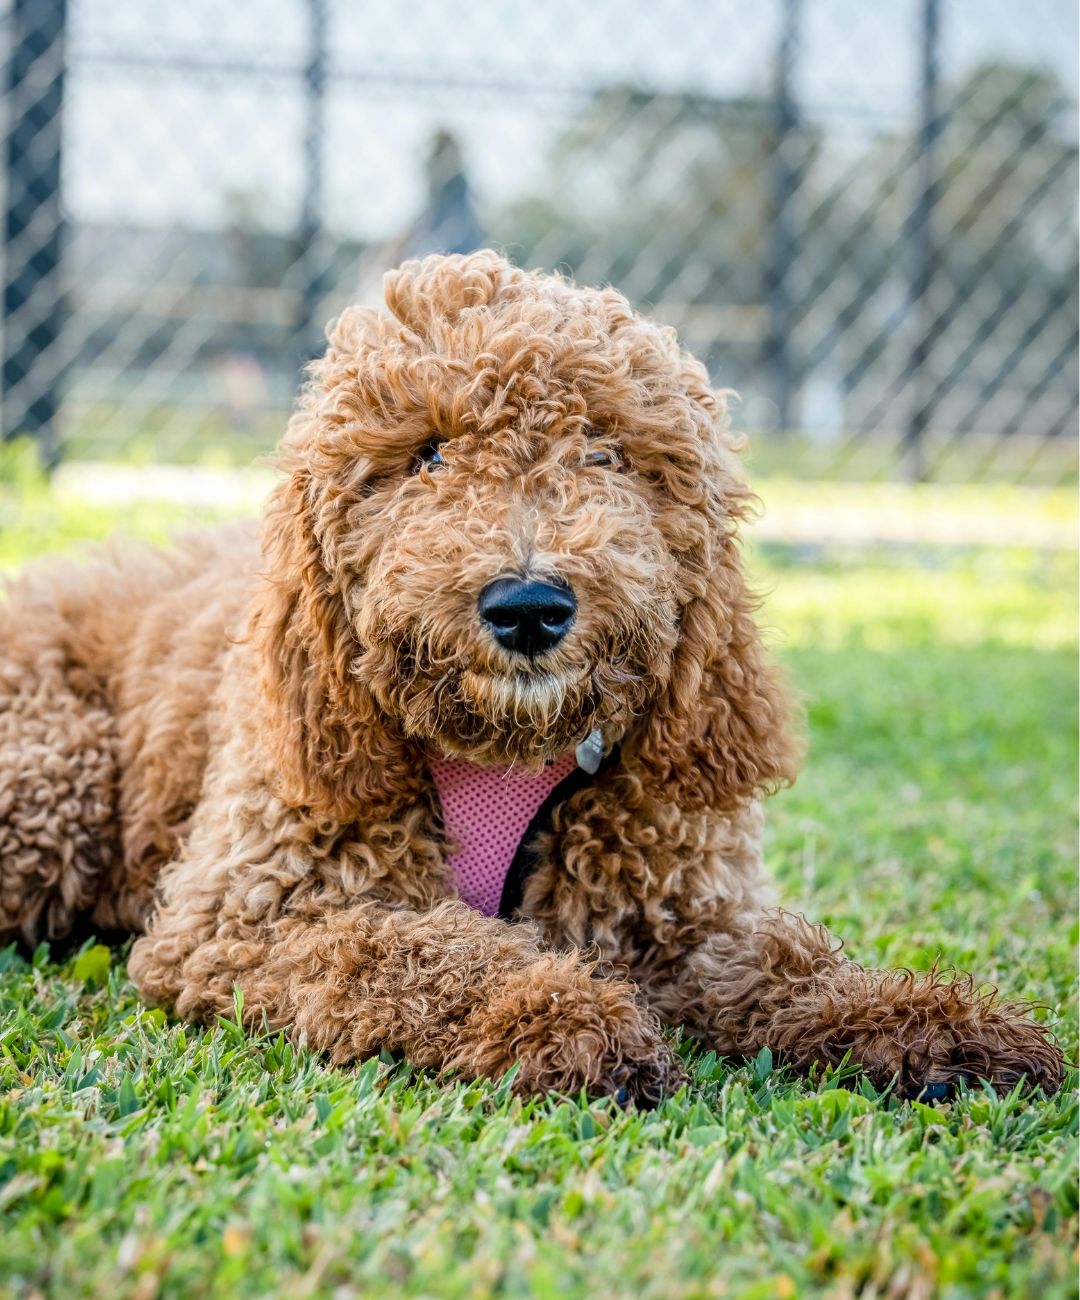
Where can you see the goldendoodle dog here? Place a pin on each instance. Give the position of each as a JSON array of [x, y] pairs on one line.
[[465, 760]]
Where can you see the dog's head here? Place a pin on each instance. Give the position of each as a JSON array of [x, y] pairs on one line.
[[509, 520]]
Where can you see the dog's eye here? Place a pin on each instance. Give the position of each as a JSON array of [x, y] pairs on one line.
[[598, 457], [429, 456]]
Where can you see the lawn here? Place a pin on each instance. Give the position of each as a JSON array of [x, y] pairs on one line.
[[936, 818]]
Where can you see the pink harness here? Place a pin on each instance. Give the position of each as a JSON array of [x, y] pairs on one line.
[[486, 813]]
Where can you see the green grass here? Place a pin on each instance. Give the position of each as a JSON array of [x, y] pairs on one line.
[[947, 457], [936, 817], [35, 521]]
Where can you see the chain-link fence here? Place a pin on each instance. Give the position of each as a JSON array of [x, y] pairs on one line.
[[862, 216]]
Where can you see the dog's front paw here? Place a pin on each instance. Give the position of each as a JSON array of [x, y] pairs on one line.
[[927, 1034], [566, 1029], [1004, 1048]]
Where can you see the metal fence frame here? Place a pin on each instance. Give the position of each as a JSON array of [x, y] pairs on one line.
[[30, 381]]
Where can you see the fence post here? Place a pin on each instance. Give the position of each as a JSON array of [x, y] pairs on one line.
[[783, 184], [310, 252], [30, 369], [923, 246]]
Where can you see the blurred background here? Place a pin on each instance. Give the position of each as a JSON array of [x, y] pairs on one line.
[[863, 217]]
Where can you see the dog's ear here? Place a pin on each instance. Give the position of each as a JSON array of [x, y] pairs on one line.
[[721, 731], [421, 294], [336, 754]]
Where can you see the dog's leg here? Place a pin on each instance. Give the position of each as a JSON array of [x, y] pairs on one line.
[[451, 989], [783, 984], [255, 903]]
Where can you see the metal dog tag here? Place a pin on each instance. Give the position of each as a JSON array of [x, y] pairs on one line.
[[590, 752]]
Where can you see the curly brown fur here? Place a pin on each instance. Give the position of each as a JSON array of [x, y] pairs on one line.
[[224, 749]]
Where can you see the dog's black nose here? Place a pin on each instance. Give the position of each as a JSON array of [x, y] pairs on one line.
[[529, 617]]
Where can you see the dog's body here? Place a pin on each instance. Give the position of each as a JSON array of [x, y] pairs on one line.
[[228, 750]]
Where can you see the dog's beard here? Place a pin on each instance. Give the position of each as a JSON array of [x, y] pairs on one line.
[[494, 712]]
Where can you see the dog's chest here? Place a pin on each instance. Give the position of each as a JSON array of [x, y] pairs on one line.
[[491, 817]]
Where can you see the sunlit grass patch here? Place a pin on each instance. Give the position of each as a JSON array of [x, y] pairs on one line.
[[935, 819]]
